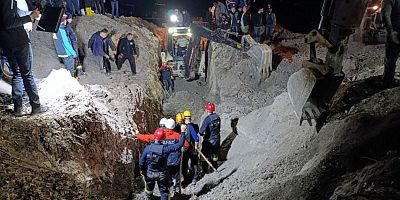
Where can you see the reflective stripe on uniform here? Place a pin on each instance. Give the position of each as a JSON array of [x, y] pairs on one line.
[[147, 191], [215, 158]]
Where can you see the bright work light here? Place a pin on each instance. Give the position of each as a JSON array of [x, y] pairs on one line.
[[174, 18]]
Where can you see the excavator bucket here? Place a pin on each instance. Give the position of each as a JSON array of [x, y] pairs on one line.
[[300, 86], [310, 95]]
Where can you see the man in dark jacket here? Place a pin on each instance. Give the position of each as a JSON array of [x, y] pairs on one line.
[[270, 20], [245, 21], [153, 163], [391, 17], [15, 43], [110, 49], [258, 23], [211, 129], [97, 47], [127, 51]]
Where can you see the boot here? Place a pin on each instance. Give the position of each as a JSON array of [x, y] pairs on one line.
[[195, 174]]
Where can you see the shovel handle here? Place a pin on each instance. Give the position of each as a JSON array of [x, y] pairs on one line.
[[208, 162]]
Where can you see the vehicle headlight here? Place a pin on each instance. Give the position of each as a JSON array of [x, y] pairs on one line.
[[174, 18], [171, 30], [189, 34]]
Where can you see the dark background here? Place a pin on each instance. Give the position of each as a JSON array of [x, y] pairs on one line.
[[295, 15]]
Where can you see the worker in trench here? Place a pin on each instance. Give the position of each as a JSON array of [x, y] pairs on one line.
[[192, 152], [179, 121], [173, 161], [210, 130], [154, 162]]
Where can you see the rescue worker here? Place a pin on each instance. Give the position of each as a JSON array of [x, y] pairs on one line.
[[153, 163], [166, 77], [179, 121], [192, 152], [172, 137], [210, 130], [391, 17]]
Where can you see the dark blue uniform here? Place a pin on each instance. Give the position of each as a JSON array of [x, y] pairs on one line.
[[211, 129], [153, 164], [173, 163], [192, 138]]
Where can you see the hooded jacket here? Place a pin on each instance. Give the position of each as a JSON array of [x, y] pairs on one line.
[[63, 44], [12, 32]]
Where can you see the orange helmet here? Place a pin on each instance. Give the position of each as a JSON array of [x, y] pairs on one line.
[[159, 134]]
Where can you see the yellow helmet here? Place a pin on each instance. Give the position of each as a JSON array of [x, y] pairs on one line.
[[179, 118], [187, 114]]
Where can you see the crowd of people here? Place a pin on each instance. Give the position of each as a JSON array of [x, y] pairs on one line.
[[81, 7], [107, 47], [176, 144], [241, 17]]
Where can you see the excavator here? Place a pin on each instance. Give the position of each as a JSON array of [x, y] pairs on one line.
[[193, 64], [314, 85]]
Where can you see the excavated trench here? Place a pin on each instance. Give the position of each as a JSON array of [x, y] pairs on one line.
[[81, 148]]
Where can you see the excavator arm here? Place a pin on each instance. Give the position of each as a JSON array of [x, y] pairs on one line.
[[314, 85], [262, 53]]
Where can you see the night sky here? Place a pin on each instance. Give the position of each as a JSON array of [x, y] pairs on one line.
[[295, 15]]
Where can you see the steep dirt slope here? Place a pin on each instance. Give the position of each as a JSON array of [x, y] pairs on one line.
[[81, 147]]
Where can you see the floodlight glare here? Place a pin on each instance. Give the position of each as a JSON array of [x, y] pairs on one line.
[[174, 18]]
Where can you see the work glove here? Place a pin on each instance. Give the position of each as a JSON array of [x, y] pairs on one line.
[[394, 36], [197, 146], [183, 128]]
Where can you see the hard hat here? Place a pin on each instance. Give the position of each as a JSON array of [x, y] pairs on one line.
[[170, 124], [210, 107], [163, 121], [159, 134], [187, 113], [179, 118]]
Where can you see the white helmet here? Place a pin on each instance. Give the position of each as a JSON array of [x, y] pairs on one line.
[[163, 121], [170, 124]]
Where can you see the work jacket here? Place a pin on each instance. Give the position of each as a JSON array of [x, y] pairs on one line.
[[97, 47], [126, 47], [165, 72], [63, 44], [172, 137], [155, 156], [211, 129]]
